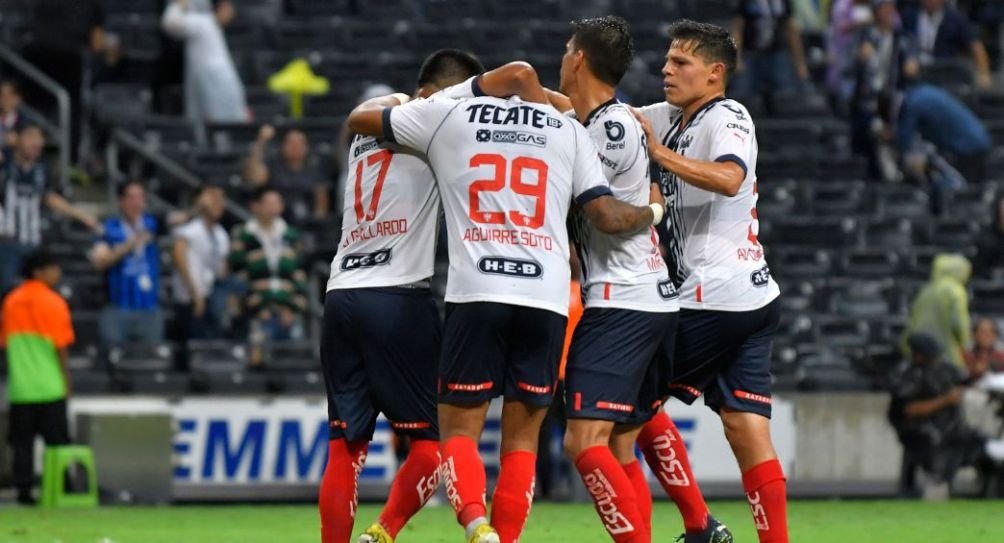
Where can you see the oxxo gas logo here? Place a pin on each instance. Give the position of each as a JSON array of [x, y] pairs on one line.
[[517, 137], [366, 260], [512, 267]]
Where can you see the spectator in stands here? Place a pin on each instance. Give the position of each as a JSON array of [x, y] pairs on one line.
[[24, 187], [36, 331], [201, 247], [986, 355], [65, 36], [128, 254], [931, 114], [770, 46], [295, 173], [943, 33], [265, 255], [990, 243], [941, 308], [848, 18], [213, 89], [926, 413], [885, 60], [11, 118]]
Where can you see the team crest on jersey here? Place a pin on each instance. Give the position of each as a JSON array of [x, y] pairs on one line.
[[667, 290], [366, 260], [761, 277], [510, 267]]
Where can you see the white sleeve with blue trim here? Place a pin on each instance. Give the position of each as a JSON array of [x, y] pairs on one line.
[[588, 181], [414, 124], [732, 138]]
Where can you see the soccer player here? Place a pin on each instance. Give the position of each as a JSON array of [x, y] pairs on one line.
[[507, 171], [706, 147], [380, 344], [625, 340]]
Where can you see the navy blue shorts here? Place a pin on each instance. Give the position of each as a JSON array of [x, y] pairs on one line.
[[379, 351], [493, 349], [726, 356], [616, 362]]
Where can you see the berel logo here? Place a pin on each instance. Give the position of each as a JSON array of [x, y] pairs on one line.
[[667, 290], [615, 130], [513, 267], [369, 260], [761, 277]]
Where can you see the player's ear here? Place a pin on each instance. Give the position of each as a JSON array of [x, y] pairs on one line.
[[717, 72]]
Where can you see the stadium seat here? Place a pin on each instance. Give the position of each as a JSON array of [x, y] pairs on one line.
[[870, 262], [217, 356]]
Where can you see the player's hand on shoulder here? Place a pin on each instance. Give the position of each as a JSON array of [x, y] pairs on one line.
[[646, 126]]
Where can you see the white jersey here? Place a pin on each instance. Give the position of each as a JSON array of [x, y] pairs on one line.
[[716, 258], [389, 219], [507, 172], [624, 271]]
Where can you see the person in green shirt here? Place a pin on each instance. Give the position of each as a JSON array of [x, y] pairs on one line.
[[36, 330]]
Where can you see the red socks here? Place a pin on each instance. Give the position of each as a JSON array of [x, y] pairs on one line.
[[415, 483], [337, 499], [513, 494], [666, 454], [613, 495], [766, 492], [463, 473], [642, 493]]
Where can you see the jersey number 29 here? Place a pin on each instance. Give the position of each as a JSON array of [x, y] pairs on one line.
[[498, 182]]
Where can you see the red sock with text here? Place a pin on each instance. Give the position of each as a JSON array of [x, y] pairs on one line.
[[766, 491], [644, 496], [666, 454], [613, 495], [463, 474], [513, 494], [414, 484], [337, 499]]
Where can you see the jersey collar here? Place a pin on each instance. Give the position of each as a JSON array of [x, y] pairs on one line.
[[599, 108]]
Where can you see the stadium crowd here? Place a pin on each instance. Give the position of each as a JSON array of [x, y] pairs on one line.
[[178, 264]]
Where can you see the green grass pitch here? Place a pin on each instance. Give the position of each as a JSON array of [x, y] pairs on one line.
[[810, 521]]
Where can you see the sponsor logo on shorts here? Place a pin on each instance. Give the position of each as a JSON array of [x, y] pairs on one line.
[[469, 387], [512, 267], [603, 494], [410, 425], [690, 390], [615, 406], [743, 395], [670, 468], [518, 137], [531, 388], [761, 277], [366, 260], [667, 290]]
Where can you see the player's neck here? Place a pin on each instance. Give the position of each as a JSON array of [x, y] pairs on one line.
[[589, 95], [692, 108]]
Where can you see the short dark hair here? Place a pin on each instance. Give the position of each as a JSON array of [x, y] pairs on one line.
[[122, 188], [36, 260], [448, 67], [607, 44], [259, 193], [27, 127], [711, 42]]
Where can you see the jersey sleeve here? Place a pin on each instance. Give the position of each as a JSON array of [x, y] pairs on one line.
[[732, 136], [465, 90], [588, 181], [414, 124], [621, 145], [62, 324]]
